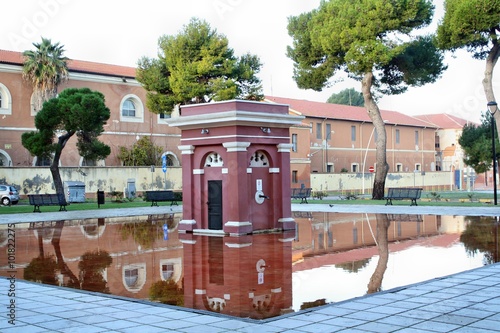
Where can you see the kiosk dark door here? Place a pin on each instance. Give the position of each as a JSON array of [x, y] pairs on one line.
[[215, 204]]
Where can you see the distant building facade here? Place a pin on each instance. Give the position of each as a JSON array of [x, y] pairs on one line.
[[340, 138]]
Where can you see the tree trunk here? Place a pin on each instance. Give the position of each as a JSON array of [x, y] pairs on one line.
[[381, 142], [54, 167], [375, 283], [491, 61]]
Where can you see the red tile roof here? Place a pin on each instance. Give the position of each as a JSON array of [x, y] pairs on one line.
[[346, 112], [444, 120], [16, 58]]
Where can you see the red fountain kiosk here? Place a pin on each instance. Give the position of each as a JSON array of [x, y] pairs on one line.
[[235, 167]]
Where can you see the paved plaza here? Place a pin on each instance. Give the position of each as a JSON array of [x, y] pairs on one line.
[[464, 302]]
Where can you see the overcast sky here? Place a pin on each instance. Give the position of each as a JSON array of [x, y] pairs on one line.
[[120, 32]]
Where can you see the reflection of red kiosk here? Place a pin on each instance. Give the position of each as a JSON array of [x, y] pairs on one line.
[[248, 276], [236, 166]]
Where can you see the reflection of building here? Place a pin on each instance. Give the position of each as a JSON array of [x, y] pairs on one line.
[[245, 276], [248, 276], [322, 233], [140, 254]]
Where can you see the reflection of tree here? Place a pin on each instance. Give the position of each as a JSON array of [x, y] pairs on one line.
[[144, 233], [92, 265], [41, 270], [167, 292], [61, 265], [383, 250], [481, 235], [353, 266]]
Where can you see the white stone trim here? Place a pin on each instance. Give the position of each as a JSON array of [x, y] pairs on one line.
[[237, 224], [185, 241], [236, 146], [188, 222], [274, 170], [284, 147], [186, 149], [231, 118], [209, 232], [198, 172], [237, 245], [249, 170], [225, 171]]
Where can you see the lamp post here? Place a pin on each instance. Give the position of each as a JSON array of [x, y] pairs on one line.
[[492, 107]]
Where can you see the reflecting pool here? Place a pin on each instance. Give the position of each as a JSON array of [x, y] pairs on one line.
[[330, 257]]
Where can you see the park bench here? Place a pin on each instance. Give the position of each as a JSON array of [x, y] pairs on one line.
[[403, 193], [301, 193], [159, 196], [38, 200]]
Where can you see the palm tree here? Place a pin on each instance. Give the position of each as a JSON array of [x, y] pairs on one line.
[[45, 68]]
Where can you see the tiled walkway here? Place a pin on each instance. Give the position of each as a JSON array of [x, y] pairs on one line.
[[464, 302]]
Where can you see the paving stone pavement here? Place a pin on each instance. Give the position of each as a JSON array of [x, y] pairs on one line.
[[462, 303]]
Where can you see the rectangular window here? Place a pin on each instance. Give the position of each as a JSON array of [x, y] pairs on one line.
[[295, 179], [416, 138], [397, 136], [318, 131], [353, 133], [418, 167], [294, 142], [165, 116], [328, 131], [399, 167], [354, 167]]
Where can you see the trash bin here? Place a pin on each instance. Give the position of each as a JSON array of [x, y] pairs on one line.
[[75, 191], [100, 198]]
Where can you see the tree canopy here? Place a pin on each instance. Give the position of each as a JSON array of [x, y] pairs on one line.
[[196, 66], [477, 145], [372, 41], [347, 97], [142, 153], [75, 111], [475, 26], [45, 67]]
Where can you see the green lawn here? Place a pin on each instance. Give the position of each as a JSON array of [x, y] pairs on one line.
[[457, 198]]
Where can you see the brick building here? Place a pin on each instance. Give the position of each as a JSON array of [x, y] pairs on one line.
[[124, 96]]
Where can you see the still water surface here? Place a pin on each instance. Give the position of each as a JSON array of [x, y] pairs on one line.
[[329, 258]]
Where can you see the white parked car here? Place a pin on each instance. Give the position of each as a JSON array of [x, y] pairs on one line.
[[9, 195]]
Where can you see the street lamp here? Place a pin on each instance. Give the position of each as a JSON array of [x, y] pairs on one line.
[[492, 107]]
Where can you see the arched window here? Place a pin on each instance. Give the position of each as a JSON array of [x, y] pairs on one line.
[[259, 160], [5, 100], [134, 277], [214, 160], [128, 108], [131, 109]]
